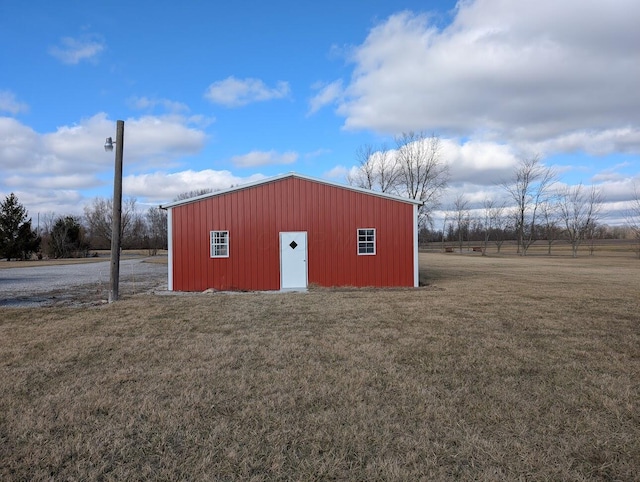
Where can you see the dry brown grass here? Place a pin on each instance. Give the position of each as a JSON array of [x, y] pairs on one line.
[[501, 369]]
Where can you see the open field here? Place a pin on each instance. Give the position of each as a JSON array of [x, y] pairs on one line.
[[627, 248], [501, 368]]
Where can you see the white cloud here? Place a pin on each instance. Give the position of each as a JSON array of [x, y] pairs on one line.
[[517, 72], [72, 158], [264, 158], [8, 103], [617, 190], [42, 202], [474, 195], [149, 139], [612, 174], [72, 51], [146, 103], [337, 173], [594, 142], [163, 187], [327, 94], [607, 176], [482, 163], [18, 144], [478, 162], [161, 138], [232, 92], [63, 181]]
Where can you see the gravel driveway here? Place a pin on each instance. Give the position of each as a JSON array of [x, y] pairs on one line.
[[77, 284]]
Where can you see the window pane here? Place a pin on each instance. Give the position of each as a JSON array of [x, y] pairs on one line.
[[219, 244], [366, 241]]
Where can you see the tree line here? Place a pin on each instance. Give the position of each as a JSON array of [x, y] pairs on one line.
[[540, 209], [73, 236], [535, 205]]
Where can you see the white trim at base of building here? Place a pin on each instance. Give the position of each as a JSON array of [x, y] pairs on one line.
[[170, 249], [416, 261]]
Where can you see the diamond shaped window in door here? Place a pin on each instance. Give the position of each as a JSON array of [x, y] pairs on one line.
[[293, 245]]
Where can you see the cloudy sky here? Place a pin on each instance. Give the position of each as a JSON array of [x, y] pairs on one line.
[[217, 94]]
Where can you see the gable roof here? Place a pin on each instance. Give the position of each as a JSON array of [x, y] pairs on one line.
[[285, 176]]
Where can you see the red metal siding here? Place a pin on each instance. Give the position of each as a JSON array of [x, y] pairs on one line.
[[256, 216]]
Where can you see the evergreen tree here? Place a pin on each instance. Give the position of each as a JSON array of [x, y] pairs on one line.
[[17, 239], [67, 239]]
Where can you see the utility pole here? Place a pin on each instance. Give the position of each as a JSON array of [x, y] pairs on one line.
[[117, 213]]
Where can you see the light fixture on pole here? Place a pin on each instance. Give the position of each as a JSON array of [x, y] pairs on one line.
[[116, 220]]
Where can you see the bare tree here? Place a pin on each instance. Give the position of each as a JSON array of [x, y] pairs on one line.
[[414, 170], [136, 233], [422, 173], [194, 193], [579, 209], [633, 218], [47, 221], [461, 213], [491, 211], [594, 232], [529, 188], [377, 169], [499, 223], [156, 230], [99, 215], [444, 228], [365, 175], [550, 223]]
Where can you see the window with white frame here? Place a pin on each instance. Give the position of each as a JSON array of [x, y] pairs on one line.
[[366, 241], [219, 244]]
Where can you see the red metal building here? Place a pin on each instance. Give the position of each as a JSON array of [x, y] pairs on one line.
[[289, 231]]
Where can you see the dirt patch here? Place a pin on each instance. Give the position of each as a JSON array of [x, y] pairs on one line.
[[68, 292]]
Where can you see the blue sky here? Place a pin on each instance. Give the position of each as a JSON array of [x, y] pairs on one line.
[[216, 94]]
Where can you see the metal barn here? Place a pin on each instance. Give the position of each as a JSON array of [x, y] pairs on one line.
[[288, 232]]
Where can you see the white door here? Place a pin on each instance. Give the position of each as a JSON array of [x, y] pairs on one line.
[[293, 260]]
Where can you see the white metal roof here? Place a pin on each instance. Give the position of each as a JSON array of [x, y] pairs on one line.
[[284, 176]]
